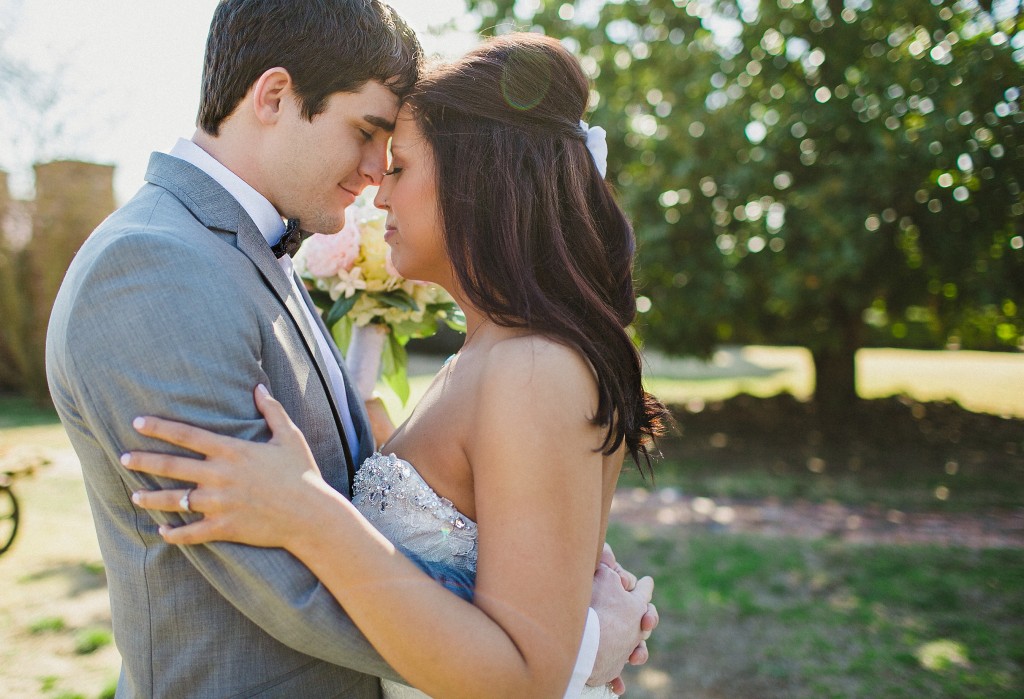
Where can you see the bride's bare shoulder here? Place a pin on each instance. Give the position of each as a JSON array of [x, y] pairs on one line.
[[538, 367]]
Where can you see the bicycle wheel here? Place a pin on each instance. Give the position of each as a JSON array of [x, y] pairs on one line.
[[8, 517]]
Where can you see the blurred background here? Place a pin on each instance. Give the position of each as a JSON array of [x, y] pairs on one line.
[[827, 200]]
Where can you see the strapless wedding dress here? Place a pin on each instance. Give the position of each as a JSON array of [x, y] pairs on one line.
[[427, 528]]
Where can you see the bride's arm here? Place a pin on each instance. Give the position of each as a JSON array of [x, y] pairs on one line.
[[538, 484]]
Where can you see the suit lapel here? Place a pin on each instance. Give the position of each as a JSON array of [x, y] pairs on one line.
[[354, 400]]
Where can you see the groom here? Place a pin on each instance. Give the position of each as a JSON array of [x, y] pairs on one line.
[[185, 299]]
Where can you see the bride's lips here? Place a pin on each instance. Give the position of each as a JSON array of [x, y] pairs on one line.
[[389, 233]]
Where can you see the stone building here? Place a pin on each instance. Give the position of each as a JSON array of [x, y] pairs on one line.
[[38, 240]]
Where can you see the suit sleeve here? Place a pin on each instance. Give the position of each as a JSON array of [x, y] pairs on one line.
[[155, 331]]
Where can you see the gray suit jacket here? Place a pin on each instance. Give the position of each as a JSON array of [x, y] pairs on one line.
[[176, 307]]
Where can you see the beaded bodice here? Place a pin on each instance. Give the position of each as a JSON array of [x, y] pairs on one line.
[[426, 527]]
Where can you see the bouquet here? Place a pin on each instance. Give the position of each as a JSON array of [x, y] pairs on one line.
[[372, 312]]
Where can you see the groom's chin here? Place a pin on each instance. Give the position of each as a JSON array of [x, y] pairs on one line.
[[325, 225]]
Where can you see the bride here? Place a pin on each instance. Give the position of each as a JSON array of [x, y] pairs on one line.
[[494, 195]]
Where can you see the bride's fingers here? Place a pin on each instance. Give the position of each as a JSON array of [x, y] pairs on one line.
[[281, 426], [182, 435], [181, 468], [167, 500], [201, 532], [618, 687]]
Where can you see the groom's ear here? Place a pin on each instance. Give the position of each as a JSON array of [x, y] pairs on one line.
[[269, 93]]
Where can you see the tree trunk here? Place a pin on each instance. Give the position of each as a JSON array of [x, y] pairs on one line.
[[835, 373]]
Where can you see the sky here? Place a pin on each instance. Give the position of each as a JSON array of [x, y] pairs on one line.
[[130, 72]]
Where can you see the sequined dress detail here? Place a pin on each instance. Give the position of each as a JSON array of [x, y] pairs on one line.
[[427, 528]]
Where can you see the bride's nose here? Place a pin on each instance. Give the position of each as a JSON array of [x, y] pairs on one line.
[[380, 200]]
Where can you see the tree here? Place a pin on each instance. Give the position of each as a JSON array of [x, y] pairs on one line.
[[826, 173]]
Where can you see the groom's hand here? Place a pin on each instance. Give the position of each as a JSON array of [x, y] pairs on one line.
[[627, 618]]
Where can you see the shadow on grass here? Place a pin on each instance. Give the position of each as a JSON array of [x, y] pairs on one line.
[[80, 577], [892, 453]]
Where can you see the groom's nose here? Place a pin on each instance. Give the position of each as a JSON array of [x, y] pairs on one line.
[[375, 162]]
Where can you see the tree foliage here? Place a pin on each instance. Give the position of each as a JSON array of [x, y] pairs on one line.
[[826, 173]]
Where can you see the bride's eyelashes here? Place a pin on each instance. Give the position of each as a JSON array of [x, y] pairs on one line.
[[393, 171]]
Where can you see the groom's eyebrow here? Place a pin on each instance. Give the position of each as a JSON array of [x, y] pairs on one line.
[[379, 122]]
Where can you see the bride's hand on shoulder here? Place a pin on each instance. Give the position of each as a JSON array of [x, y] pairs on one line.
[[254, 493]]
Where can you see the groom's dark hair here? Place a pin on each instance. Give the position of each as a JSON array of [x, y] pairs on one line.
[[327, 46]]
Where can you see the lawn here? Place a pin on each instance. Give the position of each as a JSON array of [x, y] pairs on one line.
[[789, 619], [744, 616]]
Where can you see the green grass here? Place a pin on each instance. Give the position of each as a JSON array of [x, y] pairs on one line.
[[16, 411], [760, 617], [50, 624], [109, 691], [90, 640]]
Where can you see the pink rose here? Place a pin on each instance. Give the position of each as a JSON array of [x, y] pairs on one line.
[[327, 255]]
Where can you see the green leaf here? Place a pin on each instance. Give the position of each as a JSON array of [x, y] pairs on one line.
[[395, 367], [398, 299], [342, 306], [321, 299], [456, 320], [342, 332], [409, 328]]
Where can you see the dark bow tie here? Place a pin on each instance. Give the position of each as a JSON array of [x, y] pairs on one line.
[[291, 240]]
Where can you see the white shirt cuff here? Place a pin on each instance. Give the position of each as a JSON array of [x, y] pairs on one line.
[[587, 656]]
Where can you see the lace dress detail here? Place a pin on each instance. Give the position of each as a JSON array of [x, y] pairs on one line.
[[427, 528]]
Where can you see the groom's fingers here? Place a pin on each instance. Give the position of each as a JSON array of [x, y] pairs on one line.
[[644, 588], [182, 435], [650, 620], [640, 654]]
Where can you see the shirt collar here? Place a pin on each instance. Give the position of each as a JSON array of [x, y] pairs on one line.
[[260, 210]]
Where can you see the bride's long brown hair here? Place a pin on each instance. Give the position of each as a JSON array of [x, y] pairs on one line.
[[533, 232]]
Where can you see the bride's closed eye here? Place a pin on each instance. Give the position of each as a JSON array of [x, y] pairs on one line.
[[393, 171]]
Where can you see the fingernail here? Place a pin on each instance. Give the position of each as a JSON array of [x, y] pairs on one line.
[[163, 529], [126, 459], [263, 390], [136, 498], [139, 423]]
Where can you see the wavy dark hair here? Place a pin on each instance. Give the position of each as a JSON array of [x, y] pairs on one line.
[[533, 231], [327, 46]]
